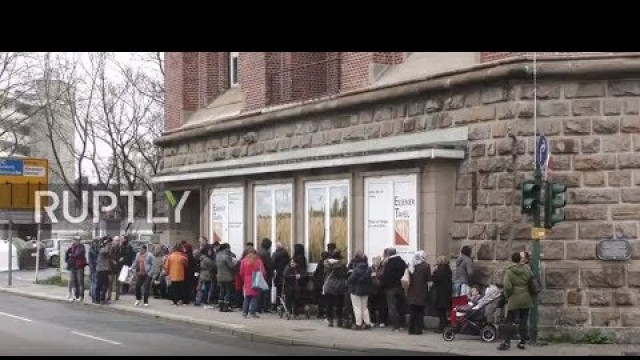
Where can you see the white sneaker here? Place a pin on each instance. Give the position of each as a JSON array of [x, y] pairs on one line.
[[146, 305], [137, 302], [72, 299]]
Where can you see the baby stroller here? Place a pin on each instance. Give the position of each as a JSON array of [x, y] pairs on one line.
[[293, 288], [473, 321]]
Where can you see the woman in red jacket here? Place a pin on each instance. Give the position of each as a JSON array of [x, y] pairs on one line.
[[250, 264]]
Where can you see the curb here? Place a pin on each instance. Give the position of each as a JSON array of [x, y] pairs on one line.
[[235, 330]]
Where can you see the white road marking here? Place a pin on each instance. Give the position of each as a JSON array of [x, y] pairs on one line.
[[96, 338], [14, 316]]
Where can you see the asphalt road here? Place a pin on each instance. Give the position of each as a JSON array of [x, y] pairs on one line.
[[38, 327]]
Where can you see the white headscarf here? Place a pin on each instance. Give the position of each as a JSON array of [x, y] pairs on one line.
[[418, 258]]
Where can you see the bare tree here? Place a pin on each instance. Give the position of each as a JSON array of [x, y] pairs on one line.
[[113, 110], [144, 78], [148, 77], [16, 74]]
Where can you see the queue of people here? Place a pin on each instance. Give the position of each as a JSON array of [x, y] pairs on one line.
[[354, 294]]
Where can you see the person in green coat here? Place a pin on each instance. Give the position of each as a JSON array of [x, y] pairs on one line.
[[519, 301]]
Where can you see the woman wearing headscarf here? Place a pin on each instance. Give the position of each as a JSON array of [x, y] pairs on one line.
[[335, 286], [419, 275]]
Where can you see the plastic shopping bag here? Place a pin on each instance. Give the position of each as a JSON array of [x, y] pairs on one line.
[[124, 274]]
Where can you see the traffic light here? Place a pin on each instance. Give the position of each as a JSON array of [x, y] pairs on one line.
[[554, 202], [530, 196]]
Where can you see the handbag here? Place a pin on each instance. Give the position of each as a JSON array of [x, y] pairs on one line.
[[258, 282]]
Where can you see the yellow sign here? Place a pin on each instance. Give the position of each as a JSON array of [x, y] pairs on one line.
[[538, 233], [20, 178]]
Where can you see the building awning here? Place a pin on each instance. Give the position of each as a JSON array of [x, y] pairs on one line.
[[435, 144]]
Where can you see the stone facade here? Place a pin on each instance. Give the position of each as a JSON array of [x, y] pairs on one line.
[[594, 131]]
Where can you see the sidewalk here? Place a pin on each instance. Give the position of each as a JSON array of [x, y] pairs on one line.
[[314, 332]]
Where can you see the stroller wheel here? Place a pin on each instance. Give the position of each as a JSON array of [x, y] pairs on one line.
[[448, 334], [288, 317], [488, 333]]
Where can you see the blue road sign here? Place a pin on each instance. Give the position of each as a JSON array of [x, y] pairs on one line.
[[542, 152], [11, 167]]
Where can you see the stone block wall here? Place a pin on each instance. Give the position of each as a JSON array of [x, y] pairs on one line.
[[594, 132]]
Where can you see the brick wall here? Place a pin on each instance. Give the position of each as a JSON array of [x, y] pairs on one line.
[[356, 67], [308, 75], [278, 79], [182, 87], [195, 79], [207, 65], [223, 72], [190, 85], [354, 70], [389, 58], [173, 84], [253, 79]]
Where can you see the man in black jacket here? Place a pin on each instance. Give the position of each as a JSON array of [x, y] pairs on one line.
[[264, 303], [393, 271], [128, 255], [280, 259]]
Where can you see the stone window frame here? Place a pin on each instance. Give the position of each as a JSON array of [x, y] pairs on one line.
[[327, 184], [234, 69], [273, 188]]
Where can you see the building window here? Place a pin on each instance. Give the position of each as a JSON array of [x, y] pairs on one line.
[[273, 214], [391, 208], [327, 218], [233, 69], [226, 221]]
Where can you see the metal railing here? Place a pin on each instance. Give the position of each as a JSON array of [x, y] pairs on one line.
[[308, 81]]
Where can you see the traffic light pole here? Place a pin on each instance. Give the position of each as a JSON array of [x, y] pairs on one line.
[[535, 261]]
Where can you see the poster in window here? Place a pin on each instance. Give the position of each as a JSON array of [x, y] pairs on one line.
[[404, 209], [391, 215], [219, 210], [235, 214], [378, 218]]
